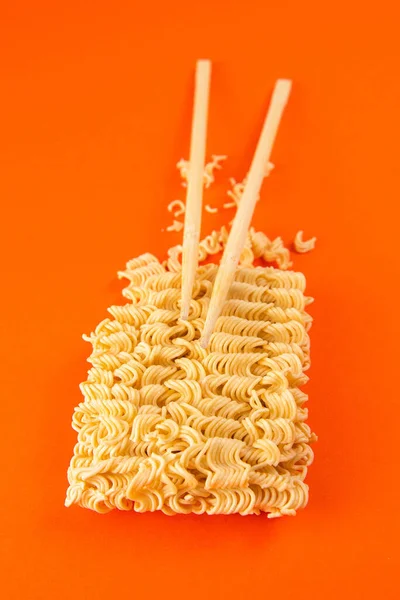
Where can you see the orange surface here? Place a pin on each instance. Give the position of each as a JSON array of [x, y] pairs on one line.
[[96, 107]]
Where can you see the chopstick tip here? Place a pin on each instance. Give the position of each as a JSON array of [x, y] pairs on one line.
[[283, 88], [203, 65], [203, 343], [287, 83]]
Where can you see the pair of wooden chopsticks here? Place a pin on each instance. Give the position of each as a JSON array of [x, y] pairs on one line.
[[244, 213]]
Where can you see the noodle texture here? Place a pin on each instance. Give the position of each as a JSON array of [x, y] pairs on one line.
[[167, 425]]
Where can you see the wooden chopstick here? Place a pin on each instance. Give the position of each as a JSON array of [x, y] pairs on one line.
[[244, 214], [194, 197]]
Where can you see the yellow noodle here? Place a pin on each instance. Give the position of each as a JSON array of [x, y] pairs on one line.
[[177, 207], [168, 425], [210, 167], [176, 226], [301, 245]]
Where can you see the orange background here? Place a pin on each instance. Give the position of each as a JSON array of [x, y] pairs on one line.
[[96, 108]]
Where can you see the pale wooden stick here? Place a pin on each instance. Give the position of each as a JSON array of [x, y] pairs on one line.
[[244, 214], [194, 195]]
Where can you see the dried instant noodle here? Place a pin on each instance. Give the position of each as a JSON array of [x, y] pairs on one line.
[[167, 425]]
